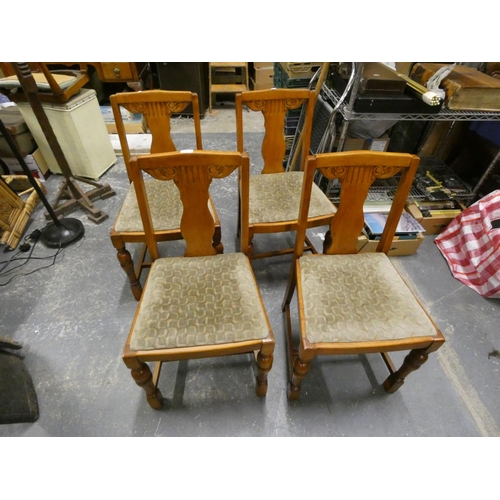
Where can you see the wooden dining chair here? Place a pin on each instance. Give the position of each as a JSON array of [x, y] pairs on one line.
[[274, 194], [202, 304], [55, 85], [157, 108], [355, 303]]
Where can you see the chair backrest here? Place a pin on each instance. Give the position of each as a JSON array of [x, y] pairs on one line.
[[356, 172], [192, 173], [157, 107], [274, 105]]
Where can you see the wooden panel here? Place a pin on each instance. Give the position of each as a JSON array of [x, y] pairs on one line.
[[117, 71], [466, 88]]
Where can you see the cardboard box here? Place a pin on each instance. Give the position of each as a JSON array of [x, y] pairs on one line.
[[263, 65], [260, 86], [399, 246], [404, 67], [432, 225], [301, 70], [132, 122], [36, 163], [378, 144], [355, 144], [264, 76]]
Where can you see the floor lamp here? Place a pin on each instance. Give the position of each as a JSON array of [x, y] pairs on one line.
[[59, 232]]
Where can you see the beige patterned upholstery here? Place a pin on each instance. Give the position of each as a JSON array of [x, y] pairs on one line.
[[194, 301], [276, 198], [356, 298], [164, 203]]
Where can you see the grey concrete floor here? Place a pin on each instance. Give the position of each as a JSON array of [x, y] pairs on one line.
[[73, 319]]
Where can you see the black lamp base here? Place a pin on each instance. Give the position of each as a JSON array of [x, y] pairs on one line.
[[66, 232]]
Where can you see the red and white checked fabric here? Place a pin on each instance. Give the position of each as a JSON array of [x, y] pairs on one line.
[[471, 246]]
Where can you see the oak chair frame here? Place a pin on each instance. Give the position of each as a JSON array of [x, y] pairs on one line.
[[274, 104], [356, 171], [157, 107], [192, 173]]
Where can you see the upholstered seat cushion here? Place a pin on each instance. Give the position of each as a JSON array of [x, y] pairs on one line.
[[64, 81], [164, 203], [276, 198], [194, 301], [357, 298]]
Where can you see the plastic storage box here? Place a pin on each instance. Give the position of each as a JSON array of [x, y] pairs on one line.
[[80, 129]]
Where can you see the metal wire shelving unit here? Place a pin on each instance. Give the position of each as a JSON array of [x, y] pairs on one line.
[[444, 114]]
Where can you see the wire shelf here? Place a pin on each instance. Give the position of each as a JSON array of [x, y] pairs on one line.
[[443, 115]]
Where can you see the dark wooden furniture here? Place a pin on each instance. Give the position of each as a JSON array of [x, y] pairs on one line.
[[192, 76], [226, 78], [117, 71], [351, 303], [269, 201], [157, 107], [213, 302]]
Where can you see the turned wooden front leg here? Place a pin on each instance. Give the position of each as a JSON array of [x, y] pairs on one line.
[[126, 263], [264, 364], [413, 361], [299, 371], [144, 378]]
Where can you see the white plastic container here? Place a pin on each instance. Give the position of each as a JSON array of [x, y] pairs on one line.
[[80, 129]]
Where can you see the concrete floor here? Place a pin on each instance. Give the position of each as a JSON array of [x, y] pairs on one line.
[[73, 318]]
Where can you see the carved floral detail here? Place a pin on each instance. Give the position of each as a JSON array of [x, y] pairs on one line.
[[136, 107], [221, 171], [176, 107], [163, 173], [293, 103], [149, 108], [256, 105], [385, 172], [171, 173], [333, 172], [380, 172]]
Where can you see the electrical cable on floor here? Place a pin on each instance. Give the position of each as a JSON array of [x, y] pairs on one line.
[[34, 238], [7, 262], [23, 248]]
